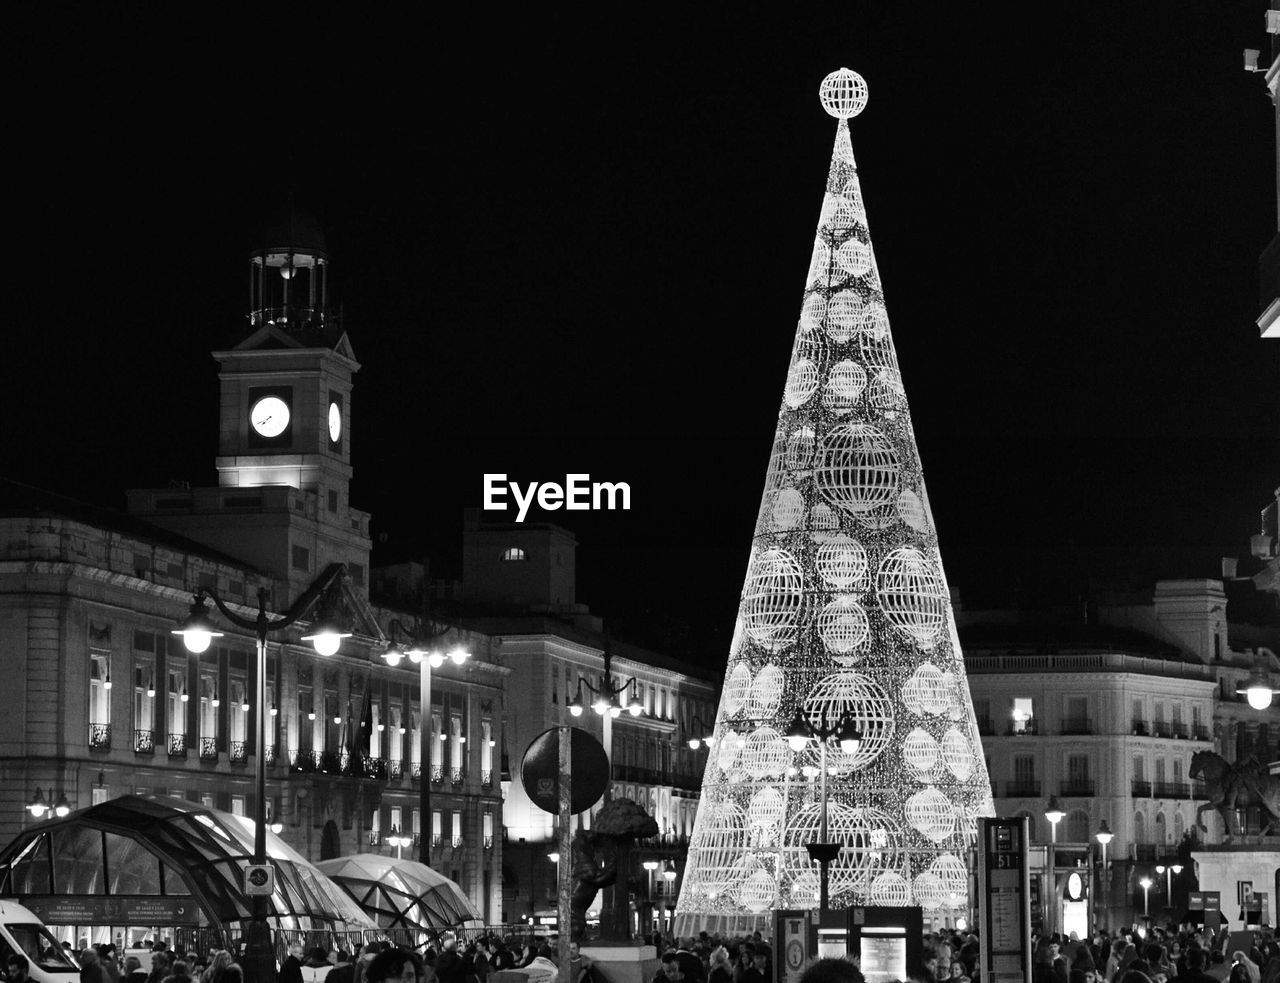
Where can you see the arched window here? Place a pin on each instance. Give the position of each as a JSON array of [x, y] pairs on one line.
[[513, 554], [1077, 830], [1139, 828], [1179, 827], [1159, 830]]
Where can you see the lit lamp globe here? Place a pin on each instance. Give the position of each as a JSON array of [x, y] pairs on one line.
[[1258, 695], [197, 629], [459, 656], [326, 637], [1104, 834]]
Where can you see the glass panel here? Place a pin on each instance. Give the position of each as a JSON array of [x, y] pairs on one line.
[[238, 718], [177, 719], [77, 865], [31, 868], [40, 947], [131, 867], [144, 691]]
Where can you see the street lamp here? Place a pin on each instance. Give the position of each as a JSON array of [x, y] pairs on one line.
[[416, 645], [1257, 688], [1053, 812], [198, 631], [1104, 836], [607, 703], [1145, 884], [1168, 870], [397, 839], [800, 731], [698, 726]]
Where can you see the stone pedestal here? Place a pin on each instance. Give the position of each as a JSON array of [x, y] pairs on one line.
[[623, 963], [1222, 868]]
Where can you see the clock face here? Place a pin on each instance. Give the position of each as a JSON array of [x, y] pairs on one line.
[[335, 422], [269, 416]]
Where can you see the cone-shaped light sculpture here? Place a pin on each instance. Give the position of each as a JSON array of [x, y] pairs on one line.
[[845, 616]]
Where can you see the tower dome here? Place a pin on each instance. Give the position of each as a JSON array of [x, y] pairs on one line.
[[291, 228], [288, 271]]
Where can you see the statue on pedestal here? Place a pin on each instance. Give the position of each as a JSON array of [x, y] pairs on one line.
[[1236, 785], [599, 855]]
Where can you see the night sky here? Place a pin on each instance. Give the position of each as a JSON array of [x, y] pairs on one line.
[[570, 245]]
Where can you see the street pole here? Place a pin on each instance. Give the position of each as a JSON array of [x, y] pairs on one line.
[[259, 954], [564, 868], [425, 737]]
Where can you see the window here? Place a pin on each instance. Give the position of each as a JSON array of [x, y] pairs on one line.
[[375, 822], [99, 687], [209, 702], [305, 717], [1022, 713], [488, 828], [486, 746], [415, 744], [301, 558], [1177, 720], [375, 730], [237, 805], [395, 739], [437, 743], [1078, 769], [395, 819], [416, 819], [1196, 720], [437, 824], [1139, 828], [178, 698], [1159, 771], [513, 554], [144, 694], [206, 800], [455, 824], [1139, 769], [458, 739], [238, 716]]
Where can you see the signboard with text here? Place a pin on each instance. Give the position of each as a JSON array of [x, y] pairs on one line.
[[1004, 901], [141, 910]]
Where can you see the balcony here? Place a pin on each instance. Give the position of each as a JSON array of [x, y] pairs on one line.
[[1140, 790], [177, 745], [486, 779], [144, 741], [1073, 726], [1201, 733], [375, 837], [99, 737], [238, 751], [1140, 728], [395, 769], [1022, 790], [303, 761], [333, 762], [437, 775], [1023, 728], [416, 772], [1162, 729], [1077, 788], [1172, 790], [985, 727], [1145, 853], [270, 752], [208, 749], [456, 776]]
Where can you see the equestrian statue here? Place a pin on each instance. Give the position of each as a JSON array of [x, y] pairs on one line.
[[1237, 785]]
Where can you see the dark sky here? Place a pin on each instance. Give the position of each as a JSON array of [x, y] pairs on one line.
[[580, 245]]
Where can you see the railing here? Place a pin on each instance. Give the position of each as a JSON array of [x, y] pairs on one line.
[[303, 761], [1029, 728], [1201, 733], [375, 837], [1145, 852], [1162, 729], [488, 842], [437, 775], [458, 843], [1022, 790], [177, 745], [370, 767], [100, 737], [1172, 790], [1140, 790], [416, 772], [238, 751], [456, 776], [144, 741], [436, 839], [333, 762], [395, 769], [486, 779], [1077, 787], [1076, 725], [1140, 727], [269, 755], [208, 749]]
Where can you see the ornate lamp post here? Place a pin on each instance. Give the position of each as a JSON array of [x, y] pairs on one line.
[[1103, 836], [700, 727], [398, 840], [798, 735], [1145, 884], [416, 645], [1053, 812], [1168, 870], [198, 631], [610, 700]]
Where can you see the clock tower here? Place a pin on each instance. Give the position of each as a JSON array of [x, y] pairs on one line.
[[284, 449]]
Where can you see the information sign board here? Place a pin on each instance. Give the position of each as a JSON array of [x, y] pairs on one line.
[[1004, 901]]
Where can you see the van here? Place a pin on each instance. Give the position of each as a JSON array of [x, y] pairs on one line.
[[23, 933]]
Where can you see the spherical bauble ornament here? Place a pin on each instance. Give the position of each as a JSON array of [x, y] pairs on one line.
[[766, 692], [765, 812], [765, 754], [819, 265], [772, 599], [931, 813], [842, 564], [855, 830], [758, 891], [911, 511], [927, 690], [868, 706], [843, 626], [873, 324], [843, 94], [736, 688], [722, 846], [954, 876], [929, 890], [802, 382], [800, 448], [844, 313], [823, 522], [911, 594], [957, 754], [727, 751], [920, 750], [858, 468], [839, 215], [806, 890], [854, 258], [813, 311], [788, 509], [845, 383], [890, 890]]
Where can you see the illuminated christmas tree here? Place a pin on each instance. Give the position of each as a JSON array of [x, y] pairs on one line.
[[845, 624]]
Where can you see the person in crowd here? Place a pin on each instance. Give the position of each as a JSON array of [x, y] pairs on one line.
[[317, 958], [1238, 958], [179, 974], [344, 970], [18, 968], [394, 965], [291, 968], [449, 964], [481, 960], [133, 971], [91, 970], [832, 971], [669, 971], [720, 970], [1195, 971], [581, 968], [160, 962], [233, 974]]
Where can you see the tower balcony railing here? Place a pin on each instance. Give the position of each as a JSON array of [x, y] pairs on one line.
[[1023, 728], [100, 737], [1140, 789], [1173, 790], [1073, 726], [1162, 729], [395, 769]]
